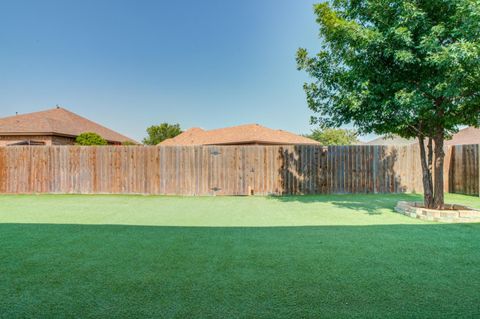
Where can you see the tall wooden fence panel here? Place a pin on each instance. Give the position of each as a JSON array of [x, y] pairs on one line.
[[349, 169], [228, 170], [464, 170]]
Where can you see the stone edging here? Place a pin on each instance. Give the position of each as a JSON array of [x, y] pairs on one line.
[[453, 214]]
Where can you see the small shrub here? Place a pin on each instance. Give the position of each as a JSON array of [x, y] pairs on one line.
[[89, 138], [159, 133]]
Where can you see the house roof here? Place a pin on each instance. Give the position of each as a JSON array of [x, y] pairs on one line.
[[57, 121], [393, 140], [469, 135], [242, 134]]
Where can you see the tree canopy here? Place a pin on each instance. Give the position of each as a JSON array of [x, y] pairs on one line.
[[393, 66], [405, 67], [334, 136], [159, 133], [90, 139]]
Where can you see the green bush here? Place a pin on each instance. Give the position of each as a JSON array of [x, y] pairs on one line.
[[159, 133], [334, 136], [89, 138]]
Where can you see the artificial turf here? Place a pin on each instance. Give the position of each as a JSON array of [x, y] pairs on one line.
[[229, 257]]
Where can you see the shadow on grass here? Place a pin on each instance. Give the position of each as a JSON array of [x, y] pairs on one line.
[[371, 204], [283, 272]]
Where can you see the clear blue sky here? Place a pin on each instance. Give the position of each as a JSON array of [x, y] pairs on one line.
[[131, 64]]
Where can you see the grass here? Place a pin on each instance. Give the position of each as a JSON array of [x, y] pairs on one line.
[[264, 257]]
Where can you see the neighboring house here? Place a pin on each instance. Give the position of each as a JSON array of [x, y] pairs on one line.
[[250, 134], [56, 126], [469, 135], [391, 140]]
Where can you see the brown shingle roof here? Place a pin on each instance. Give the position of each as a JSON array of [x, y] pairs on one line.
[[391, 140], [57, 121], [469, 135], [242, 134]]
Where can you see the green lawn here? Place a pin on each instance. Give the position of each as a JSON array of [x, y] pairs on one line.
[[229, 257]]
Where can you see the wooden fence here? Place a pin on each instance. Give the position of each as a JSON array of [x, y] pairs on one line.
[[228, 170], [464, 169]]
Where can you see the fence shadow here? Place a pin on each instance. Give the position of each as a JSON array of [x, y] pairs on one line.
[[464, 170], [339, 170]]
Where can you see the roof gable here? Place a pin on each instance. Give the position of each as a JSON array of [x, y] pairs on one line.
[[242, 134], [57, 121]]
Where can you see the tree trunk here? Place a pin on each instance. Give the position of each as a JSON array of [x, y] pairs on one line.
[[438, 197], [426, 172]]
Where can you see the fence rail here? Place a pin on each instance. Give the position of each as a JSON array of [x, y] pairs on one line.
[[229, 170]]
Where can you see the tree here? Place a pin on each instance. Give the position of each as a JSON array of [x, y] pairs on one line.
[[89, 139], [159, 133], [405, 67], [334, 136]]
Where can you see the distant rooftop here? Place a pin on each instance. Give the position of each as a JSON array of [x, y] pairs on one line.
[[469, 135], [394, 140], [56, 121], [237, 135]]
